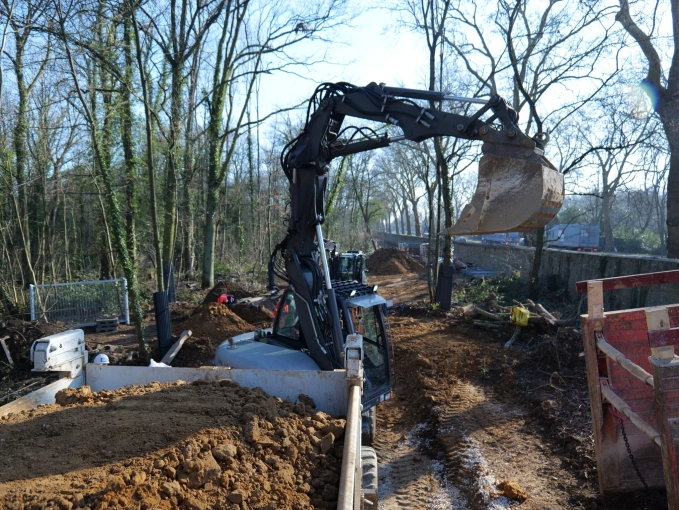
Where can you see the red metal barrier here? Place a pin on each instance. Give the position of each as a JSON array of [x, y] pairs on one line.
[[633, 333]]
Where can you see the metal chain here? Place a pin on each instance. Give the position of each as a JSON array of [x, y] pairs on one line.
[[631, 457]]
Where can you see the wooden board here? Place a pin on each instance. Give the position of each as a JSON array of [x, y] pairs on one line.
[[6, 349], [176, 347], [631, 281]]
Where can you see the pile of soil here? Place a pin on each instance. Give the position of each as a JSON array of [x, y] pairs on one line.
[[195, 446], [227, 287], [181, 310], [392, 261], [214, 321], [210, 325], [254, 314]]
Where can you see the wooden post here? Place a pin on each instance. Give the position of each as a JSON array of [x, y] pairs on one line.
[[4, 347], [665, 376], [595, 299], [589, 326], [659, 318], [174, 350]]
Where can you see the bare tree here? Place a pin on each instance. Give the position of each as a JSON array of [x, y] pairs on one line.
[[538, 52], [662, 87]]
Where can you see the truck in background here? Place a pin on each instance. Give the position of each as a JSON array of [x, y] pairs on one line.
[[573, 237], [508, 239]]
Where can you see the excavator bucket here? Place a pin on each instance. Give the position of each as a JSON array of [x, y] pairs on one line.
[[517, 191]]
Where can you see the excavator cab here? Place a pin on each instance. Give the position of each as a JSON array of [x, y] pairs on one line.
[[352, 267], [361, 311]]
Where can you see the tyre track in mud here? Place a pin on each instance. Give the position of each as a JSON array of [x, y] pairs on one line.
[[450, 436], [409, 479]]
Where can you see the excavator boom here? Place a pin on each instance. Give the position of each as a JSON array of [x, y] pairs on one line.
[[518, 188]]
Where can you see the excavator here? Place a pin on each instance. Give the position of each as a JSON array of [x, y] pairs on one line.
[[324, 324], [518, 190], [347, 265]]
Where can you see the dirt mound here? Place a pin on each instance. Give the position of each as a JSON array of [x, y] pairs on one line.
[[195, 446], [254, 314], [181, 310], [391, 261], [210, 325], [226, 287], [214, 321]]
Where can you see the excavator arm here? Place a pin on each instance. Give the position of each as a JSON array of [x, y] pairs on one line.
[[518, 188]]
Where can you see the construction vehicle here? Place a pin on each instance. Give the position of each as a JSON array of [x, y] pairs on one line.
[[518, 189], [573, 237], [347, 266], [328, 331]]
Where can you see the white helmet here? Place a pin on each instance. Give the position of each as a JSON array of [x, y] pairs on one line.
[[101, 359]]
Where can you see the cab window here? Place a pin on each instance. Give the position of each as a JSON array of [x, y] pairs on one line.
[[367, 323], [287, 321]]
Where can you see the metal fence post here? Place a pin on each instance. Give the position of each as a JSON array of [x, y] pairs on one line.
[[32, 294], [127, 307]]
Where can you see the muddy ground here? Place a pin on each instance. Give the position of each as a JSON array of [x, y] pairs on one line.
[[477, 426], [471, 425], [196, 446]]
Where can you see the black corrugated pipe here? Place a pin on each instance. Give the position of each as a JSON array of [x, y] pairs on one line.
[[164, 330]]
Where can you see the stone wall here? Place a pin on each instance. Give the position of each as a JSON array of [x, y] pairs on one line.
[[561, 269]]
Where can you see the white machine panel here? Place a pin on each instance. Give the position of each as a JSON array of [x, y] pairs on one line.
[[328, 389], [62, 352]]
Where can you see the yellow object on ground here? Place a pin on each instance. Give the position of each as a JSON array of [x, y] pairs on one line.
[[520, 316]]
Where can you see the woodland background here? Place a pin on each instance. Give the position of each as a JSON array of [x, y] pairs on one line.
[[132, 133]]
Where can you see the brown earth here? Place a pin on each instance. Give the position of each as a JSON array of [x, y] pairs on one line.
[[193, 446], [210, 325], [475, 426], [227, 287], [254, 314], [392, 261]]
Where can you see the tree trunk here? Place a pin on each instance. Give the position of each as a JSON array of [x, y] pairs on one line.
[[131, 205], [114, 211], [20, 133], [606, 220], [170, 220], [160, 285], [406, 214], [208, 277], [534, 287], [668, 115], [418, 228]]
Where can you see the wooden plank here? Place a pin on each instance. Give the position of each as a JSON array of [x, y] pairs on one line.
[[665, 372], [658, 318], [637, 420], [631, 281], [6, 349], [594, 388], [174, 350], [621, 360], [662, 337], [595, 299]]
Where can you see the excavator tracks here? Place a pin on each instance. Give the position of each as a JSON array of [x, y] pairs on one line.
[[409, 478]]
